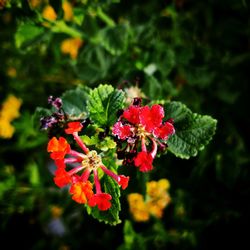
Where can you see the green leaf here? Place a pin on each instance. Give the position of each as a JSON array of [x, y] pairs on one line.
[[107, 144], [89, 141], [193, 131], [38, 114], [7, 184], [103, 104], [34, 176], [115, 39], [153, 87], [110, 216], [93, 63], [132, 239], [78, 16], [27, 33], [103, 144], [165, 60], [75, 102], [61, 27]]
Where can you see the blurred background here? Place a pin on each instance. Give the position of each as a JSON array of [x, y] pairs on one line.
[[196, 52]]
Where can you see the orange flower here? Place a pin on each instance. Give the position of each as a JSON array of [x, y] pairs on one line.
[[84, 164], [73, 127], [58, 148], [82, 191], [71, 46], [62, 178], [68, 11], [49, 13]]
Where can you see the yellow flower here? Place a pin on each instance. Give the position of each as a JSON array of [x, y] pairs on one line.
[[49, 13], [10, 108], [138, 207], [155, 188], [9, 111], [71, 46], [11, 72], [157, 199], [6, 129], [68, 11]]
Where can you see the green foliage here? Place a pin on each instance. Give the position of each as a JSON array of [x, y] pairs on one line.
[[102, 144], [193, 131], [115, 39], [74, 102], [103, 104], [132, 240], [193, 55], [27, 33]]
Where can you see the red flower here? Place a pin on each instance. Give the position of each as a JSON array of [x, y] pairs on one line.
[[141, 126], [123, 181], [144, 161], [122, 131], [58, 148], [164, 131], [82, 191], [101, 200], [132, 114], [73, 127], [62, 178], [60, 163], [151, 118]]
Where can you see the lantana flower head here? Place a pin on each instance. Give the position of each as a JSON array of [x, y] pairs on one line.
[[143, 129], [82, 165]]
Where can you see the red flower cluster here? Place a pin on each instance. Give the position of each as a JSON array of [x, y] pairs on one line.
[[82, 166], [144, 125]]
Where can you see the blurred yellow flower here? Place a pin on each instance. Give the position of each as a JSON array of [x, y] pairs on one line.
[[9, 111], [11, 72], [68, 11], [49, 13], [10, 108], [138, 207], [71, 46], [157, 198], [6, 129], [156, 189]]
